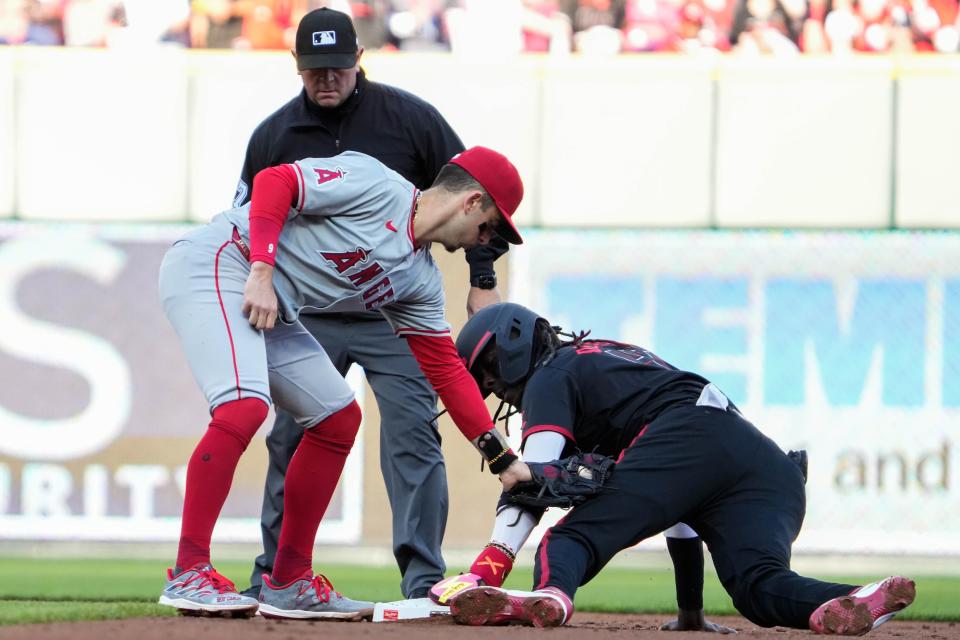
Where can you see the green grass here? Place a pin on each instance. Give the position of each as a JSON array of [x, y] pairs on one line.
[[21, 611], [47, 590]]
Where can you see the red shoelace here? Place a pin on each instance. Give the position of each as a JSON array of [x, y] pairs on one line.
[[322, 586], [210, 577]]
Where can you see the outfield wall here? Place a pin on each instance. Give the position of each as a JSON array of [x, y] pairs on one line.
[[631, 141], [846, 343]]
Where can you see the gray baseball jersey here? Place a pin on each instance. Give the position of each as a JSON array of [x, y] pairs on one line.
[[347, 245]]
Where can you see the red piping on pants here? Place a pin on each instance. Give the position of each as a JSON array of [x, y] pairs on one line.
[[223, 310], [632, 442]]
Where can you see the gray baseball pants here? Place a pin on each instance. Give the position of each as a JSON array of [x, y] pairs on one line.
[[201, 285], [410, 456]]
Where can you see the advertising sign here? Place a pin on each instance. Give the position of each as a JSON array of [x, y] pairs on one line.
[[99, 412], [845, 344]]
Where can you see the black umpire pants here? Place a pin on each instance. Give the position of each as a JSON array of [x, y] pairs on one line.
[[715, 471]]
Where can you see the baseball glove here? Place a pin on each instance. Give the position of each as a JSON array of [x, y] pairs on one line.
[[563, 483]]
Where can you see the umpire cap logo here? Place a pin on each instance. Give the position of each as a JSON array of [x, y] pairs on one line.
[[324, 38]]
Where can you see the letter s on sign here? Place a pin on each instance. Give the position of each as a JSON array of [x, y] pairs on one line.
[[92, 357]]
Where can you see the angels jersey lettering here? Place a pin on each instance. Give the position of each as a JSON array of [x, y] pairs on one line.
[[326, 175], [345, 261], [338, 253]]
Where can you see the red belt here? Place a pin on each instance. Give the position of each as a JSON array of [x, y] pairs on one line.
[[241, 245]]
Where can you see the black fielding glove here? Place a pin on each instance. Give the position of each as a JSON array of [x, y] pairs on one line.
[[563, 483]]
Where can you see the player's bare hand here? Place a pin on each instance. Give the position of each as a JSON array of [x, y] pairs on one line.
[[517, 472], [259, 297], [479, 298], [694, 621]]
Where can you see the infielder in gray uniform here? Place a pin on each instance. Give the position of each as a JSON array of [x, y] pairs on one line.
[[331, 235], [340, 109]]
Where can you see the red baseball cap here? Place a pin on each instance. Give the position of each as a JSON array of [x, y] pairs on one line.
[[500, 179]]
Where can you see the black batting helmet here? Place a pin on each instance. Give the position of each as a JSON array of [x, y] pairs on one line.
[[511, 327]]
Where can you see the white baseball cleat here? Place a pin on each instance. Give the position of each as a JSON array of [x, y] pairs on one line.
[[866, 608], [200, 590], [548, 607], [310, 597]]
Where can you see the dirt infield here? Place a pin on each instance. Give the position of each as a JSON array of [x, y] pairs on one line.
[[590, 626]]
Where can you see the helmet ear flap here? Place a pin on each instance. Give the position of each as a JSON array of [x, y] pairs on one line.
[[515, 343]]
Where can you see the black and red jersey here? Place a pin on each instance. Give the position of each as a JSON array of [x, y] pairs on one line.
[[600, 394]]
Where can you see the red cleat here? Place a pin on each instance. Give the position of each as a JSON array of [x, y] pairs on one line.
[[547, 607], [864, 609]]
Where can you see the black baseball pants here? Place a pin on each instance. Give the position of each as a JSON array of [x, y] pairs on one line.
[[715, 471]]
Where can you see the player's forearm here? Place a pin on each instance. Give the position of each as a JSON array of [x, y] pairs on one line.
[[274, 190], [438, 359], [442, 367], [687, 557]]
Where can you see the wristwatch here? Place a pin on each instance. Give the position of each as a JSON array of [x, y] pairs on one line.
[[484, 282]]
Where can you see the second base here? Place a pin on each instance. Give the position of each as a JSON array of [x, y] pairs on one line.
[[408, 610]]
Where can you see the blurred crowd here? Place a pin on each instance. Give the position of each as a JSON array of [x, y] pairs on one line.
[[502, 26]]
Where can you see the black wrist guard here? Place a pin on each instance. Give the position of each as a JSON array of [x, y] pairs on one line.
[[495, 451], [484, 282]]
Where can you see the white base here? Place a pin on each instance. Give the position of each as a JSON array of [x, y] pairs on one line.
[[408, 610]]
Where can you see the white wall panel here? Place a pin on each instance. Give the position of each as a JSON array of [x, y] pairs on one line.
[[493, 104], [7, 140], [804, 142], [101, 134], [161, 134], [626, 142], [230, 94], [928, 136]]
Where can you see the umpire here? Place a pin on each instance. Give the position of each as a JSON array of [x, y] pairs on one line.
[[340, 110]]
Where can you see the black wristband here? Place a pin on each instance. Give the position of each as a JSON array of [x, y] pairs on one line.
[[495, 450], [484, 281], [687, 556], [499, 464]]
